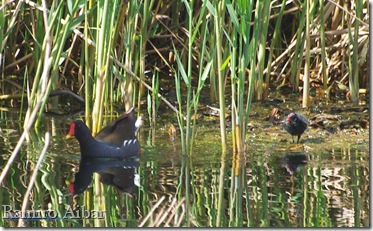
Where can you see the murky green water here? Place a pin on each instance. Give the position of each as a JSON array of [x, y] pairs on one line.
[[321, 182]]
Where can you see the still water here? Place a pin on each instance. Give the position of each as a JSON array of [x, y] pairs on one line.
[[321, 182]]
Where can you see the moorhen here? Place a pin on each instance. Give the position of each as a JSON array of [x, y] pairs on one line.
[[118, 140], [296, 124]]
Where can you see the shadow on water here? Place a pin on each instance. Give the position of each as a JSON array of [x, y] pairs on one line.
[[321, 182]]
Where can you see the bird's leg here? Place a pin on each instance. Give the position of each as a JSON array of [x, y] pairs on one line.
[[298, 139]]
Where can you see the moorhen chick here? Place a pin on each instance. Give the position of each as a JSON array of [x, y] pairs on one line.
[[118, 140], [296, 124]]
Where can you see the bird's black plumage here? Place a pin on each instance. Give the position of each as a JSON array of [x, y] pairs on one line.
[[296, 124]]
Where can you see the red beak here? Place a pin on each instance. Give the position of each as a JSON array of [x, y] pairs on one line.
[[70, 186], [71, 131]]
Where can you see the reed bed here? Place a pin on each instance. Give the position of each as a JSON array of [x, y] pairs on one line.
[[78, 45]]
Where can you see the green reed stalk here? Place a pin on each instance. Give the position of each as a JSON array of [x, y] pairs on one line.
[[306, 76], [241, 57], [353, 59], [88, 64], [188, 81], [203, 73], [132, 55], [247, 57], [218, 22], [264, 9], [233, 43], [146, 27], [24, 95], [213, 76], [10, 25], [188, 78], [153, 100], [322, 42], [106, 14], [276, 37], [252, 57], [296, 63], [3, 19], [217, 11]]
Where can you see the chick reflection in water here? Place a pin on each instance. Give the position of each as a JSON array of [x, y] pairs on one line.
[[120, 173], [293, 163]]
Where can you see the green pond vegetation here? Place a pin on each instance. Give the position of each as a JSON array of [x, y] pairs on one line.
[[213, 81]]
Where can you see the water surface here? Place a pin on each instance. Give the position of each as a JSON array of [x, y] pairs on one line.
[[321, 182]]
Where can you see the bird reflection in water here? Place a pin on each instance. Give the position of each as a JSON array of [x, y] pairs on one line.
[[120, 173], [293, 163]]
